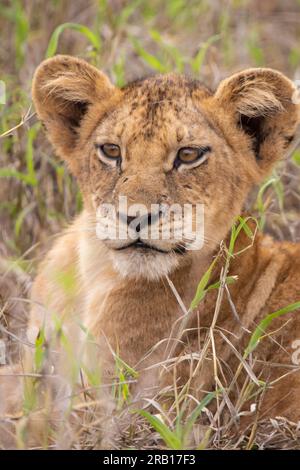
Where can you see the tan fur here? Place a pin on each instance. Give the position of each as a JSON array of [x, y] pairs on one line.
[[123, 298]]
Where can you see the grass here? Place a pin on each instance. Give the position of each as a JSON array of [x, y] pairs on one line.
[[38, 197]]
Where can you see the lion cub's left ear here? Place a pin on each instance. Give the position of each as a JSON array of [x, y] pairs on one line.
[[63, 89], [264, 104]]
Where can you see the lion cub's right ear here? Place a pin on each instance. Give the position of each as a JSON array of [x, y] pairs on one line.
[[63, 89]]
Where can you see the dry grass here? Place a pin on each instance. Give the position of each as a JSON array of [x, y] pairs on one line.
[[38, 197]]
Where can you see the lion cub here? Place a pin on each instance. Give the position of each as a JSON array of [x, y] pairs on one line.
[[159, 143]]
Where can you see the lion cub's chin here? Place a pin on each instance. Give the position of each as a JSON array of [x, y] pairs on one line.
[[149, 265]]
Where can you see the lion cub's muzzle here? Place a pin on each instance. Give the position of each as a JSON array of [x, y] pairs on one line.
[[164, 229]]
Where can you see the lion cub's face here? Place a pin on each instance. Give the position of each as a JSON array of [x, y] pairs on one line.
[[164, 164], [159, 148]]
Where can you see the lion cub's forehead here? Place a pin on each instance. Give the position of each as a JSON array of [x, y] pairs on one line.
[[161, 88], [155, 104]]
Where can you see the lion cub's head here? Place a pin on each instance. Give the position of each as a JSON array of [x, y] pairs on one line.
[[164, 164]]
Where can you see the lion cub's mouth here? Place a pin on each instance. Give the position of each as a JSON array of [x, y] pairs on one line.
[[145, 247]]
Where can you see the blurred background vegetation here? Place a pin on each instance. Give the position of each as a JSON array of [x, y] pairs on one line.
[[128, 40]]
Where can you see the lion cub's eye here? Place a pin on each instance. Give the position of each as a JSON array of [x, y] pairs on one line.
[[191, 156], [109, 154], [111, 151]]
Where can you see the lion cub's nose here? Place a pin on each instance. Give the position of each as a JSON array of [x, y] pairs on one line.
[[140, 221]]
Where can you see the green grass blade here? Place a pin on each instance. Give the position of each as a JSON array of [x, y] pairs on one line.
[[201, 289], [260, 204], [172, 51], [31, 174], [11, 173], [228, 281], [296, 157], [263, 325], [21, 217], [168, 436], [127, 11], [196, 413], [198, 61], [84, 30], [150, 59]]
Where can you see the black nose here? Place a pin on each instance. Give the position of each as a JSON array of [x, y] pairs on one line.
[[141, 221]]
